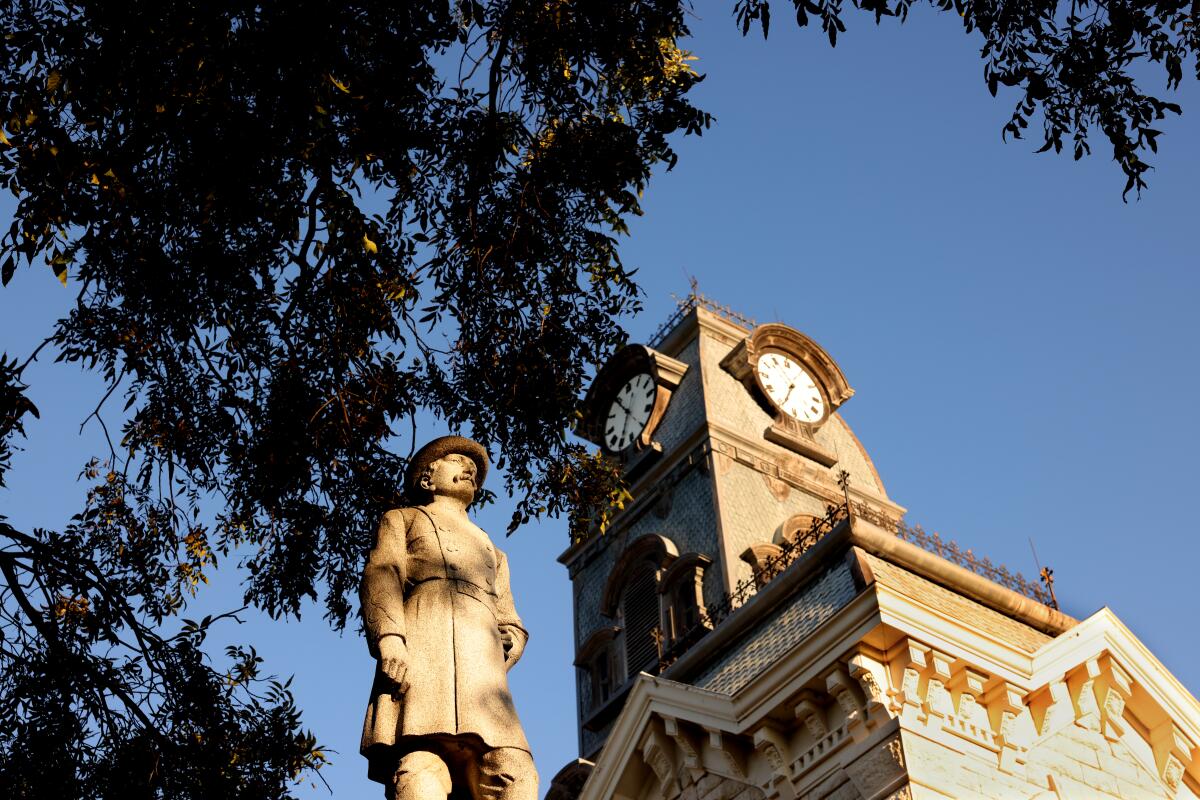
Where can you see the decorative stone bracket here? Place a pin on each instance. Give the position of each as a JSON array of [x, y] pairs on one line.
[[772, 742], [935, 692], [704, 750], [658, 754]]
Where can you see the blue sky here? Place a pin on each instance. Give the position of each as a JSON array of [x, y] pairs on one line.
[[1024, 345]]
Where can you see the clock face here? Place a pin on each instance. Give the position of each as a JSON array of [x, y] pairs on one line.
[[790, 388], [630, 411]]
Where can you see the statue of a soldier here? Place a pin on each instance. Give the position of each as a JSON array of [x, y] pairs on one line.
[[440, 620]]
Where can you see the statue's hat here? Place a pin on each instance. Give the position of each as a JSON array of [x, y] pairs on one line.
[[444, 446]]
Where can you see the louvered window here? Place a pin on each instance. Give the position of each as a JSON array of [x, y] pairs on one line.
[[639, 609]]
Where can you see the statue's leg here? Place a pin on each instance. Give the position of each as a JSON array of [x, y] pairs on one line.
[[504, 773], [421, 775]]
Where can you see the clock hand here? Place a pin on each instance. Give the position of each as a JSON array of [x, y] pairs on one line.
[[783, 402], [791, 386], [625, 427]]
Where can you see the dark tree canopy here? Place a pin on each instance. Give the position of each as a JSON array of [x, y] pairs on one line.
[[291, 226]]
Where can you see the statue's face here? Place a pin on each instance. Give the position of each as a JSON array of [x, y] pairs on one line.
[[452, 475]]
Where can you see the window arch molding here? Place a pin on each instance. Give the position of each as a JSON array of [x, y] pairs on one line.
[[685, 567], [654, 548], [594, 644], [794, 527], [631, 597], [598, 658], [682, 588]]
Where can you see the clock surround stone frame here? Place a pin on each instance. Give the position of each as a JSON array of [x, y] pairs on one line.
[[785, 430], [629, 361]]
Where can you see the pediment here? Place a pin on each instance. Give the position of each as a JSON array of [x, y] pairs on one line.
[[1099, 679], [651, 748]]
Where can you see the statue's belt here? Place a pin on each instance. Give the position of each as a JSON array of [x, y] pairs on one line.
[[462, 587]]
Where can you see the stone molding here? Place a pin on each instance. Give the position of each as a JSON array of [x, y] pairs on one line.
[[817, 482], [568, 783], [596, 642], [712, 734], [741, 362], [709, 440], [699, 320], [930, 566]]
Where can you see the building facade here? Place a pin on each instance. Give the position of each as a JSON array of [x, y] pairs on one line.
[[759, 622]]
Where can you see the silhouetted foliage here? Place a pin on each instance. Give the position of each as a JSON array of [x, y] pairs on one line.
[[14, 405], [94, 702], [292, 226]]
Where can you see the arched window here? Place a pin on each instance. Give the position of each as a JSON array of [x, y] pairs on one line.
[[764, 561], [598, 658], [631, 597]]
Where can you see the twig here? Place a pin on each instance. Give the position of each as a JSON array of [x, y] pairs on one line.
[[34, 354]]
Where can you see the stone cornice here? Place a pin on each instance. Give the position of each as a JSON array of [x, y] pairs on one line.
[[807, 661], [689, 710], [698, 320], [888, 546], [952, 635]]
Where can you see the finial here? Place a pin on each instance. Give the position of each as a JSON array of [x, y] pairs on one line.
[[1046, 574], [1048, 579], [843, 482]]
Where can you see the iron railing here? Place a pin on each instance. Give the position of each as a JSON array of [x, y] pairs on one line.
[[951, 551], [684, 306], [997, 573]]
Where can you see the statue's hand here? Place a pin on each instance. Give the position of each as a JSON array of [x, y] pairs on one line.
[[393, 660], [514, 644]]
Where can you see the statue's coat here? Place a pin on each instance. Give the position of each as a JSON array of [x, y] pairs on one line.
[[446, 591]]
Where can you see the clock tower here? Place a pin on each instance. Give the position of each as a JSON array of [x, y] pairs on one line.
[[759, 622], [731, 442]]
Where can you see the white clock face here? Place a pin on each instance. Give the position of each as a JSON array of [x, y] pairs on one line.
[[630, 411], [790, 388]]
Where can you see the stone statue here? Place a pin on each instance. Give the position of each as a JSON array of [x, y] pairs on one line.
[[440, 621]]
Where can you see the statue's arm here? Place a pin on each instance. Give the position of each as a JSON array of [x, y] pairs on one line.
[[382, 589], [511, 630]]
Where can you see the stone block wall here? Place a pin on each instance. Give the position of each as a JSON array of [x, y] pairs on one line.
[[753, 505], [686, 410]]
